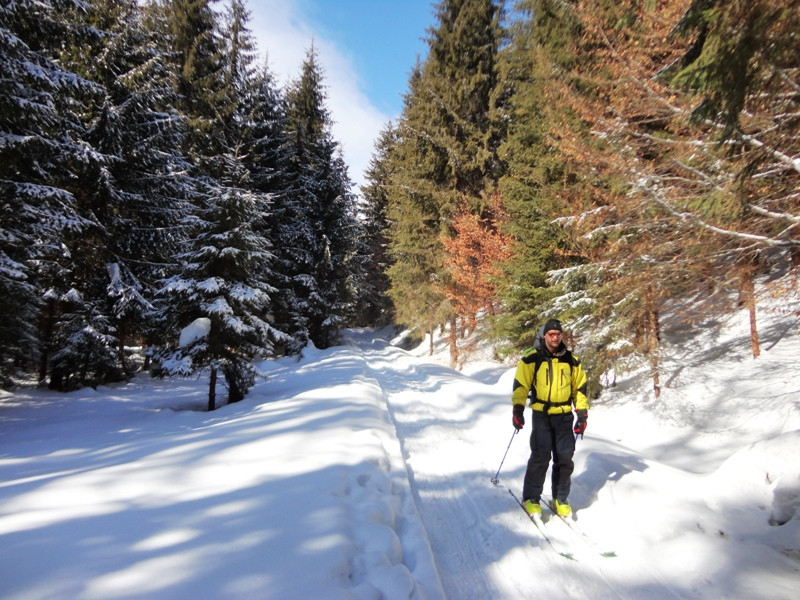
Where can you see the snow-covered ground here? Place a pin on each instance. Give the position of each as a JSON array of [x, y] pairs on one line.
[[363, 471]]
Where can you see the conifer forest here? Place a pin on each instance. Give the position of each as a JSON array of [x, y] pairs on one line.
[[168, 207]]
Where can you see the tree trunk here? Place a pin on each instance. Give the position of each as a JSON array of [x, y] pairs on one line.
[[656, 377], [235, 393], [212, 389], [147, 344], [756, 346], [121, 352], [453, 342], [48, 322], [653, 333], [747, 298]]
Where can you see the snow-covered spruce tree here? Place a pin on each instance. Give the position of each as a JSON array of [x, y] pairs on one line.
[[260, 143], [222, 284], [266, 154], [83, 338], [239, 50], [139, 192], [189, 32], [225, 274], [319, 225], [207, 85], [41, 156]]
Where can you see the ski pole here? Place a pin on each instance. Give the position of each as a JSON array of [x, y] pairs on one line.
[[495, 479]]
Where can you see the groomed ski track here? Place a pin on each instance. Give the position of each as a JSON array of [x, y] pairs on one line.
[[484, 546]]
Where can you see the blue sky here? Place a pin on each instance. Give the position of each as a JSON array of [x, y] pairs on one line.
[[367, 49], [382, 37]]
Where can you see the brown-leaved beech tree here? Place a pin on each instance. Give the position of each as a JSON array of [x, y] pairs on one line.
[[475, 251]]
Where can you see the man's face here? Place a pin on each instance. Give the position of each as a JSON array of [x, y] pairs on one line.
[[552, 339]]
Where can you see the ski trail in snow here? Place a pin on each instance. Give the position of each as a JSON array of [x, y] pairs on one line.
[[483, 545]]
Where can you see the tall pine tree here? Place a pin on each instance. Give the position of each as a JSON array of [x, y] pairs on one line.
[[139, 192], [446, 154], [43, 159], [319, 223], [374, 304], [540, 182], [415, 250], [225, 278], [266, 154]]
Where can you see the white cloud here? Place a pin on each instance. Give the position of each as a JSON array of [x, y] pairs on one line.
[[283, 35]]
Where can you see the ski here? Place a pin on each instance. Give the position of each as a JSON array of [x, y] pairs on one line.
[[540, 526], [577, 530]]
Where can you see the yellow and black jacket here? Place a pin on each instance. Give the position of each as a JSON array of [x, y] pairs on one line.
[[560, 381]]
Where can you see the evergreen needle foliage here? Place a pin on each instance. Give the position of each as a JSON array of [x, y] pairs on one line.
[[645, 157], [157, 182]]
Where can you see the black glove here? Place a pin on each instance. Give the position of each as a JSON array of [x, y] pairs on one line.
[[519, 416], [580, 424]]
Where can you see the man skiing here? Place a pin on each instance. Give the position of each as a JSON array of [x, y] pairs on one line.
[[551, 379]]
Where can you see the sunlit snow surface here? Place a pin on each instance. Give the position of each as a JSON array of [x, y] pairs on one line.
[[363, 471]]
